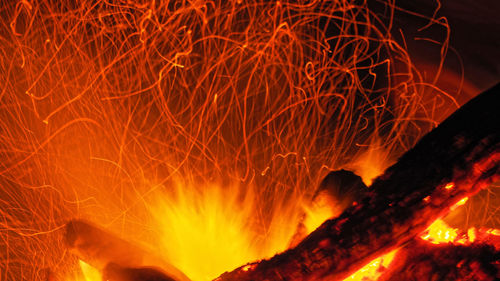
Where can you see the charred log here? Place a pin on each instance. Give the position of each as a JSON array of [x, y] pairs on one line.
[[457, 159]]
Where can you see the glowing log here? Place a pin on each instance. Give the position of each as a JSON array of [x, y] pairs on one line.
[[119, 260], [455, 160], [421, 260]]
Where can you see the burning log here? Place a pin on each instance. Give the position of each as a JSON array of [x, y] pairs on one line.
[[455, 160], [421, 260]]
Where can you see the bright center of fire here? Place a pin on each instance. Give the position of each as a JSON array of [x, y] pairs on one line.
[[249, 140]]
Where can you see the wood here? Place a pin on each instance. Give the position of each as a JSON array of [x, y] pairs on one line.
[[457, 159]]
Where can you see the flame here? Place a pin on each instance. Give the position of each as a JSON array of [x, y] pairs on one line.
[[322, 209], [89, 273], [492, 231], [439, 232], [207, 231], [449, 186], [371, 161], [374, 269], [459, 203], [106, 104], [471, 234]]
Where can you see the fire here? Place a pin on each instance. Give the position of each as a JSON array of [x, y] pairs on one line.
[[439, 232], [205, 232], [449, 185], [374, 269], [197, 128], [321, 210], [89, 273], [459, 203]]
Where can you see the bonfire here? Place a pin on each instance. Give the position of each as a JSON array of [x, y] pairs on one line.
[[246, 140]]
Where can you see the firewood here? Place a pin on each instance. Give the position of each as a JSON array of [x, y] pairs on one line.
[[421, 260], [457, 159]]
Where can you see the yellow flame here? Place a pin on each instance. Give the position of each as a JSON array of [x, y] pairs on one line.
[[372, 162], [471, 234], [449, 186], [492, 231], [324, 208], [89, 273], [374, 269], [459, 203], [440, 232], [207, 231]]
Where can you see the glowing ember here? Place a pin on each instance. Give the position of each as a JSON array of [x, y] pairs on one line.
[[212, 230], [495, 232], [459, 203], [440, 232], [374, 269], [449, 185], [322, 209], [471, 234]]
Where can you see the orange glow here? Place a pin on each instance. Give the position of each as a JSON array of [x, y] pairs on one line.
[[373, 270], [459, 203], [247, 267], [197, 129], [495, 232], [371, 161], [439, 232], [321, 210], [449, 185], [471, 234]]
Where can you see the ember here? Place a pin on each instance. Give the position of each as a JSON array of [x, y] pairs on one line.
[[184, 139]]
